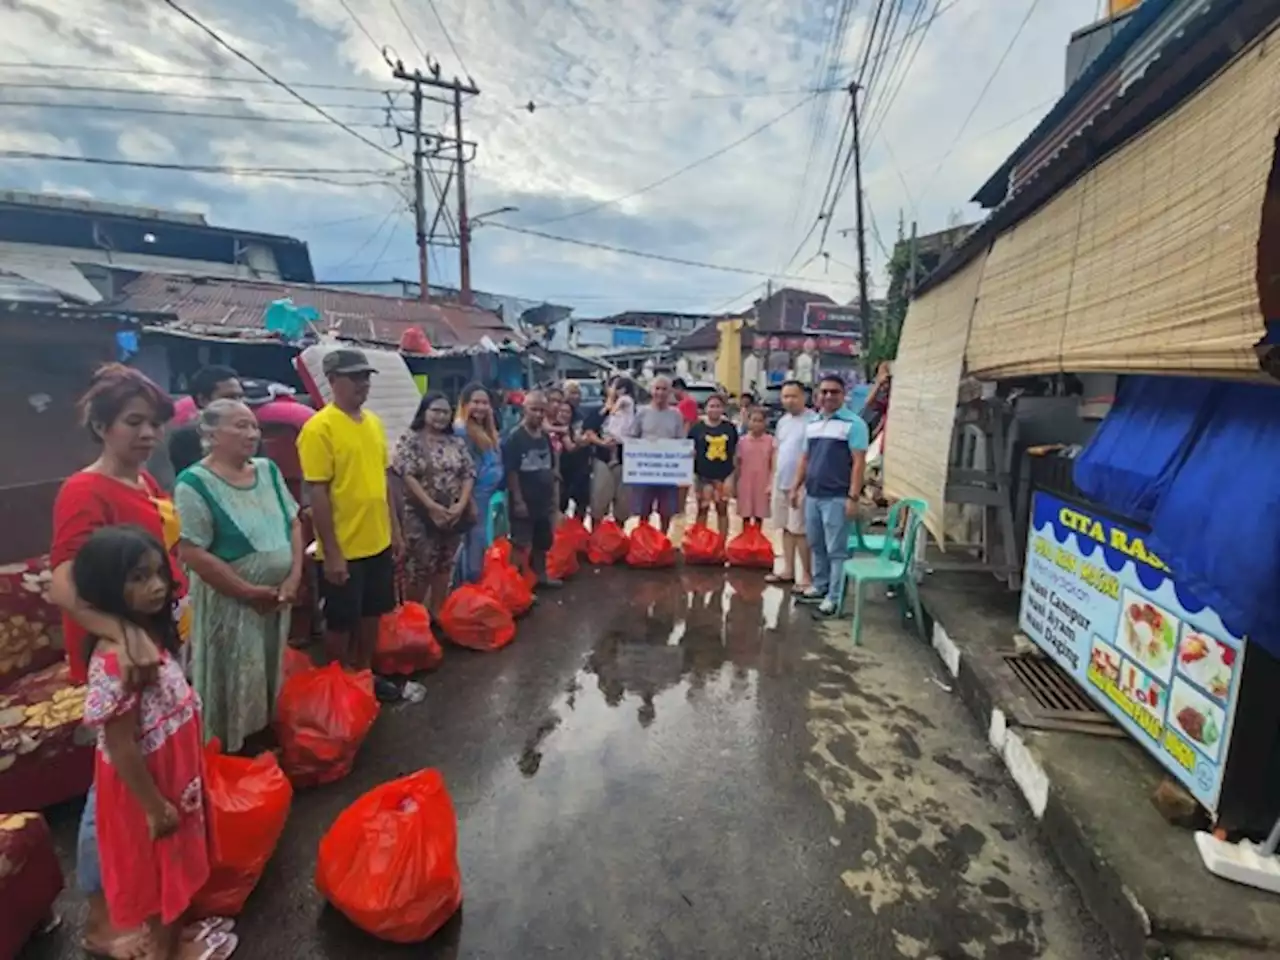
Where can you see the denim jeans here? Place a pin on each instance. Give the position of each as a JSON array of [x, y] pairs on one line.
[[88, 869], [828, 532]]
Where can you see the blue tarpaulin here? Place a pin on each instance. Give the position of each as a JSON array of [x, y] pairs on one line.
[[1197, 461]]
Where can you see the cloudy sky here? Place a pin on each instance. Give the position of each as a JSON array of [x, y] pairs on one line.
[[626, 94]]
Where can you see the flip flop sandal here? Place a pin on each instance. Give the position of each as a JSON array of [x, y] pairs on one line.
[[218, 946], [203, 929], [800, 589], [774, 578], [138, 937]]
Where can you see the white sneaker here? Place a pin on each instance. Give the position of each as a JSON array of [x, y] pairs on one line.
[[827, 608]]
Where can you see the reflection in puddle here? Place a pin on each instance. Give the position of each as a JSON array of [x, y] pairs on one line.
[[700, 642]]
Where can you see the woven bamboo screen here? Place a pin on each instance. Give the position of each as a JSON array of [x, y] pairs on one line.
[[926, 379], [1148, 263]]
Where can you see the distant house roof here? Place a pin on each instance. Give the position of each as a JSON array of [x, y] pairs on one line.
[[783, 312], [68, 222], [233, 309], [706, 337]]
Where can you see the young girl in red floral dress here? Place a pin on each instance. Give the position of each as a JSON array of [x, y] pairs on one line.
[[152, 835]]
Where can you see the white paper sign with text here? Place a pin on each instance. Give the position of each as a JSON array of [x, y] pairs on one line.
[[663, 463]]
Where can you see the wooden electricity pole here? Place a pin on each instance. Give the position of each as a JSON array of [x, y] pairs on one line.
[[457, 88], [864, 299]]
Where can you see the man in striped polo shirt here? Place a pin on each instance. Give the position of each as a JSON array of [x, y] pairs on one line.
[[830, 474]]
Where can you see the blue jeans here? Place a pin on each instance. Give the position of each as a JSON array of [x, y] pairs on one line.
[[828, 531], [88, 869]]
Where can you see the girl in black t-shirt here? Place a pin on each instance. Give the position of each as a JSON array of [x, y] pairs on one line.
[[715, 443]]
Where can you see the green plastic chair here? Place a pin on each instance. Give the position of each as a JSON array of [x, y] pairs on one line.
[[893, 566], [860, 542]]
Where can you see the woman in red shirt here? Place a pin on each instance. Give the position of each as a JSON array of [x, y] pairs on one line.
[[125, 413]]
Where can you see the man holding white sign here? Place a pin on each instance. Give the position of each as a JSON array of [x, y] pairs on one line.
[[658, 469]]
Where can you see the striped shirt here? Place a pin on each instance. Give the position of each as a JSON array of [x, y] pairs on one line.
[[830, 444]]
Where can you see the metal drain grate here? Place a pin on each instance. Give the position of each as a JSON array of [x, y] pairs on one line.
[[1056, 701]]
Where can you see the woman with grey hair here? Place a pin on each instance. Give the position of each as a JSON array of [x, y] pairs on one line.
[[242, 544]]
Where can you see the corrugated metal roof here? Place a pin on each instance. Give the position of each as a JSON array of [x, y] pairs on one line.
[[234, 309]]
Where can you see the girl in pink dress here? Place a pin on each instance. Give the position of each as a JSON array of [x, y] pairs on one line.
[[755, 458], [149, 766]]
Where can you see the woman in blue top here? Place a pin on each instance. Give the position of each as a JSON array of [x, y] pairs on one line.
[[475, 424]]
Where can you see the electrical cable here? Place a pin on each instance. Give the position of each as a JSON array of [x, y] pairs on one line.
[[879, 114], [391, 235], [986, 87], [413, 37], [681, 98], [177, 75], [175, 95], [288, 173], [679, 261], [194, 114], [449, 37], [715, 154], [217, 38], [360, 23], [371, 237]]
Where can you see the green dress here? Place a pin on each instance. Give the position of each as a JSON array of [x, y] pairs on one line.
[[236, 652]]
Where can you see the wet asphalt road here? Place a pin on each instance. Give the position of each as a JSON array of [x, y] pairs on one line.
[[681, 764]]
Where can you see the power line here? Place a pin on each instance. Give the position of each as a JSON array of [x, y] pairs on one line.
[[878, 114], [413, 37], [360, 23], [177, 75], [685, 169], [391, 235], [177, 95], [373, 236], [676, 98], [194, 114], [287, 173], [449, 37], [986, 87], [217, 38], [679, 261]]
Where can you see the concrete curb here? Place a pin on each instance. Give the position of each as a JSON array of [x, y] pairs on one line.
[[1105, 896]]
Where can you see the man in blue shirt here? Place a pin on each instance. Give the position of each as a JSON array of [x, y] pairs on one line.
[[830, 475]]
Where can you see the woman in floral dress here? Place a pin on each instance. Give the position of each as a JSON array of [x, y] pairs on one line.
[[438, 475]]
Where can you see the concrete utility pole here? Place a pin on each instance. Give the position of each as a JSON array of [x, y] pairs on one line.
[[915, 261], [864, 299], [457, 88]]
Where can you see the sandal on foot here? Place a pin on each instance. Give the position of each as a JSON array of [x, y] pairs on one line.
[[776, 578], [203, 929], [217, 946]]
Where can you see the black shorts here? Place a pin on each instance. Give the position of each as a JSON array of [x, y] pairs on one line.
[[532, 532], [370, 591]]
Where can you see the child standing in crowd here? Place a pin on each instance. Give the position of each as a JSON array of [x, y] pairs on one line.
[[149, 766], [715, 446], [530, 462], [756, 450]]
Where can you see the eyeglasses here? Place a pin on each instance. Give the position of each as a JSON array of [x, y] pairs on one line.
[[834, 392]]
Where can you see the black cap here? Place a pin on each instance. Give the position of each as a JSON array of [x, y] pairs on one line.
[[346, 362]]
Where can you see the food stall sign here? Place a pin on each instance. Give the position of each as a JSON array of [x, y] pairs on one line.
[[828, 318], [1101, 604]]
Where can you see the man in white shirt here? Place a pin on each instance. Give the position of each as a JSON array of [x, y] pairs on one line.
[[789, 435]]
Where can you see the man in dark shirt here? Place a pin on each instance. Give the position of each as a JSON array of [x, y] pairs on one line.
[[530, 465], [209, 384], [715, 441]]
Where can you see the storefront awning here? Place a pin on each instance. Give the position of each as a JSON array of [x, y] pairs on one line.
[[1148, 262], [926, 380]]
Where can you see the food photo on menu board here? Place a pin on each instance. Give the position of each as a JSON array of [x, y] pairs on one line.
[[1101, 603]]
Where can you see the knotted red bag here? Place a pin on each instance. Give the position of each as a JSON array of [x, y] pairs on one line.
[[501, 577], [474, 618], [575, 531], [405, 642], [562, 558], [247, 803], [389, 863], [750, 548], [608, 544], [322, 718], [650, 547], [702, 545]]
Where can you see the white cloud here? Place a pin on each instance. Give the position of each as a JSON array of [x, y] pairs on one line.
[[593, 71]]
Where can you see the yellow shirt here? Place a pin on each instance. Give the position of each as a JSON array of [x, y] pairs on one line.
[[351, 457]]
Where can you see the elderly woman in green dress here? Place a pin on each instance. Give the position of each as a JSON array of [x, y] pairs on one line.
[[243, 546]]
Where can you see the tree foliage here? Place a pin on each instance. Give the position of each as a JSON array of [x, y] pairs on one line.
[[888, 326]]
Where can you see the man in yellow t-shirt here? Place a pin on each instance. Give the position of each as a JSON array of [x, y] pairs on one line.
[[343, 451]]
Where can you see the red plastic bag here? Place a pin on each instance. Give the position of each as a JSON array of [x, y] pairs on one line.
[[322, 718], [405, 641], [701, 544], [295, 661], [247, 803], [502, 578], [389, 863], [650, 547], [608, 544], [575, 532], [750, 548], [562, 560], [473, 617]]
